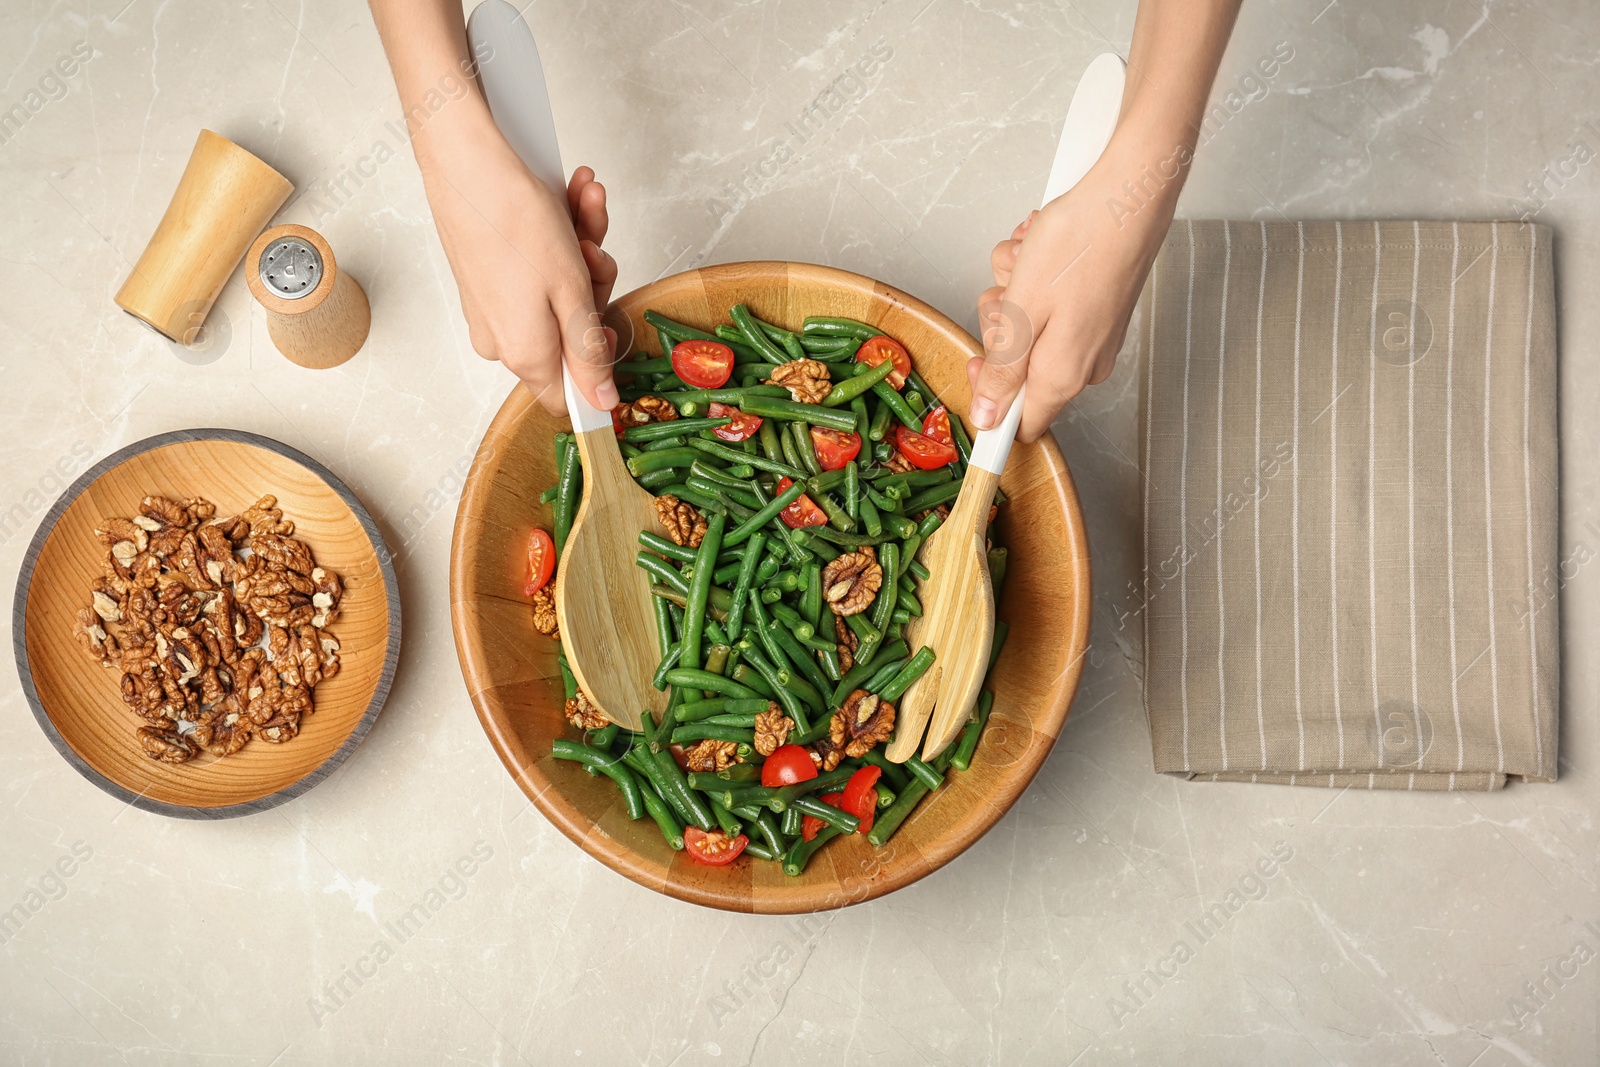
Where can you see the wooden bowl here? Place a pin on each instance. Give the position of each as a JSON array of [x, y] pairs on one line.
[[78, 703], [511, 670]]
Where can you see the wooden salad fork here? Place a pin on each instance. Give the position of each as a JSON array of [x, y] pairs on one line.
[[957, 598], [604, 606]]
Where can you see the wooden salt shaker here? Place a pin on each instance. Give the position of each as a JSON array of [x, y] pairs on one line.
[[317, 315]]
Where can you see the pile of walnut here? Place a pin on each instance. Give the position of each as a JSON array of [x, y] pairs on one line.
[[181, 610]]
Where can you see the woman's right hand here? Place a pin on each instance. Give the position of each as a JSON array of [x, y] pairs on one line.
[[527, 259]]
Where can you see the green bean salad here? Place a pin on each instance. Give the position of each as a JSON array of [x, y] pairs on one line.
[[796, 476]]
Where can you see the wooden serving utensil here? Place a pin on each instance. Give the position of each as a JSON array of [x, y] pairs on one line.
[[603, 600], [957, 598]]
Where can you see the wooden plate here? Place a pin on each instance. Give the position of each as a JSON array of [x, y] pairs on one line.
[[515, 685], [78, 703]]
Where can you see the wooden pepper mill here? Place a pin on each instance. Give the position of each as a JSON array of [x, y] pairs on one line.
[[317, 315], [225, 197]]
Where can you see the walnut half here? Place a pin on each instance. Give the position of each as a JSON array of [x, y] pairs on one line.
[[850, 582], [683, 522], [865, 720], [772, 729], [711, 755], [806, 380], [584, 714], [544, 611]]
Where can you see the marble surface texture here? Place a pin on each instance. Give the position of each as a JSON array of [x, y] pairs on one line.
[[1394, 929]]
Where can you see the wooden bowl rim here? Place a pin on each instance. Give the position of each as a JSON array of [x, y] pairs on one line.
[[545, 793], [19, 628]]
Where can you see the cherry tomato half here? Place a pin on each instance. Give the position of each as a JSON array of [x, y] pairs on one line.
[[861, 796], [742, 427], [541, 561], [714, 849], [923, 451], [787, 765], [616, 419], [936, 424], [834, 448], [811, 826], [876, 349], [803, 512], [702, 364]]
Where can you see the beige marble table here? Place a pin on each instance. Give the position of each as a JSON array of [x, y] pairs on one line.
[[1393, 929]]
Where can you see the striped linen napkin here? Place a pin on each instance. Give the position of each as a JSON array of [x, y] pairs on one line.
[[1350, 505]]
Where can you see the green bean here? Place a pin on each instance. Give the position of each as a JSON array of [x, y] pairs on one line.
[[663, 571], [812, 544], [697, 398], [908, 553], [768, 436], [804, 662], [768, 828], [908, 601], [704, 731], [893, 773], [733, 455], [741, 590], [856, 676], [747, 675], [656, 479], [606, 764], [914, 401], [746, 721], [858, 384], [717, 658], [676, 330], [723, 493], [998, 558], [878, 429], [720, 599], [827, 813], [690, 678], [884, 674], [549, 495], [845, 537], [568, 488], [646, 462], [793, 619], [886, 504], [603, 737], [725, 820], [914, 569], [791, 822], [887, 822], [688, 804], [885, 392], [924, 773], [652, 431], [1001, 629], [663, 547], [642, 760], [785, 796], [932, 498], [871, 521], [784, 694], [569, 683], [835, 326], [811, 599], [915, 667], [669, 660], [761, 850], [900, 526], [930, 522], [703, 709], [765, 514], [829, 658], [746, 325], [968, 744], [858, 408], [815, 414], [665, 818], [852, 488]]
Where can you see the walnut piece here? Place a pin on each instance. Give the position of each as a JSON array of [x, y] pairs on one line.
[[584, 714], [898, 463], [683, 522], [806, 379], [772, 729], [848, 642], [711, 755], [181, 613], [850, 582], [646, 409], [544, 611], [166, 746], [865, 720]]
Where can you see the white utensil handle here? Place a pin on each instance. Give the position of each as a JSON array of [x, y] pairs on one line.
[[513, 83], [1091, 118]]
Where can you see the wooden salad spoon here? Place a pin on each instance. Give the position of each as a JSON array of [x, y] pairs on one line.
[[958, 602], [604, 606]]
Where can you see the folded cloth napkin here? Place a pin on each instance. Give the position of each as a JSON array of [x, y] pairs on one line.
[[1350, 531]]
